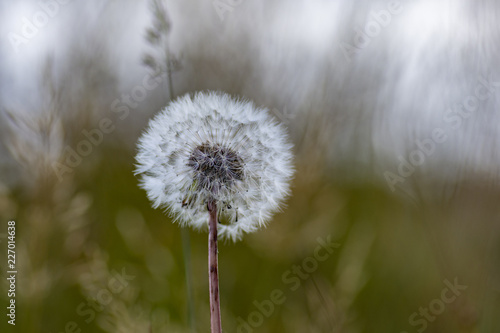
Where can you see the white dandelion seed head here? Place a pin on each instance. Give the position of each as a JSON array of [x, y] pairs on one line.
[[211, 147]]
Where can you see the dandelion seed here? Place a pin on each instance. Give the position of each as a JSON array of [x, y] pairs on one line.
[[212, 148]]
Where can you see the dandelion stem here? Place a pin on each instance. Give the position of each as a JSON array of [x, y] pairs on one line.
[[213, 269]]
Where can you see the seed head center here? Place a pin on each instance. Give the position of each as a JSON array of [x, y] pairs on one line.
[[215, 167]]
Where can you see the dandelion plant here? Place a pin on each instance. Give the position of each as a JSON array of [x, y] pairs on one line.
[[218, 162]]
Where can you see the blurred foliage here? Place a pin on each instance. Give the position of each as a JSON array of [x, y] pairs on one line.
[[78, 230], [392, 259]]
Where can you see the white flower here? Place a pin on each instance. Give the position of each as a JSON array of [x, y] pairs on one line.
[[212, 147]]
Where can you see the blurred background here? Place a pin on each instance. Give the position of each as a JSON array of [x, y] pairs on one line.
[[393, 109]]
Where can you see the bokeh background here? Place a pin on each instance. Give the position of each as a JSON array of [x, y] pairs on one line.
[[393, 109]]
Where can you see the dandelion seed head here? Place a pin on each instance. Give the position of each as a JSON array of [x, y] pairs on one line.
[[212, 147]]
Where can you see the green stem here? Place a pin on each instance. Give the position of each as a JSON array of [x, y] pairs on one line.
[[186, 250]]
